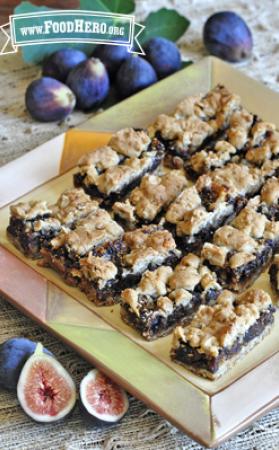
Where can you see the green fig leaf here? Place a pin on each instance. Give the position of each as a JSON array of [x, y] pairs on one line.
[[115, 6], [34, 54], [165, 23]]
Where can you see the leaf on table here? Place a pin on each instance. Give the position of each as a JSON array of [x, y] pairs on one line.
[[166, 23], [115, 6], [34, 54]]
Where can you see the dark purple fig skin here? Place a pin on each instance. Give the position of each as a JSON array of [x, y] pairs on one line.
[[59, 64], [163, 55], [13, 355], [49, 100], [227, 36], [134, 75], [112, 56], [89, 81]]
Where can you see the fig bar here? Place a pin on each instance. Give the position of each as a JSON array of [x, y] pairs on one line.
[[274, 275], [102, 261], [230, 146], [263, 144], [247, 139], [147, 202], [242, 250], [145, 248], [123, 263], [220, 334], [214, 199], [111, 172], [196, 120], [65, 250], [36, 222], [166, 297]]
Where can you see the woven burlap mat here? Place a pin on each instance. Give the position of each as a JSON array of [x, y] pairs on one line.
[[141, 428]]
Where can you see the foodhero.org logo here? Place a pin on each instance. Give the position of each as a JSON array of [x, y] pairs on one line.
[[72, 26], [76, 26]]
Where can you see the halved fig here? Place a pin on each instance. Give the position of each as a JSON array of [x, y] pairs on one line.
[[45, 390], [13, 354], [102, 400]]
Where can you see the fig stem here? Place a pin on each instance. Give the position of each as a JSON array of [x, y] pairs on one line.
[[39, 350]]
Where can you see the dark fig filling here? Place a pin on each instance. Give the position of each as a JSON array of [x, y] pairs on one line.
[[29, 242], [193, 243], [273, 272], [150, 323], [222, 135], [118, 195], [63, 261], [172, 148], [191, 356], [241, 277], [139, 221], [270, 211]]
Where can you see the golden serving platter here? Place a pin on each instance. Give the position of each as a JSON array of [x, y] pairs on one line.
[[208, 411]]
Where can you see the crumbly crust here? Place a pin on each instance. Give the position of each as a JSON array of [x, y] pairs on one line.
[[114, 178], [191, 216], [126, 211], [229, 363], [239, 127], [218, 326], [147, 245], [189, 106], [188, 133], [238, 179], [237, 244], [73, 205], [202, 161], [30, 210], [267, 149], [234, 139], [188, 200], [196, 118], [97, 269], [153, 194], [259, 132], [270, 191], [168, 288], [92, 164], [130, 142], [45, 225], [91, 232], [215, 106]]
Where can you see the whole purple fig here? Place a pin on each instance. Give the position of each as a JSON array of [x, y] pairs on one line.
[[134, 75], [227, 36], [49, 100], [13, 354], [112, 56], [59, 64], [163, 55], [90, 82]]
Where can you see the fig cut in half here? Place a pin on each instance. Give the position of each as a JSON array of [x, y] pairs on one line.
[[102, 401], [45, 390]]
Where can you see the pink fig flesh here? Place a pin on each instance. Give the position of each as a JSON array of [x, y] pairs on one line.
[[45, 390], [102, 398]]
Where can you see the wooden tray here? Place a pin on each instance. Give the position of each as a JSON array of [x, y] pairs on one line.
[[209, 412]]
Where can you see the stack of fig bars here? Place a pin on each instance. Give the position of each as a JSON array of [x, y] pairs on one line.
[[174, 222]]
